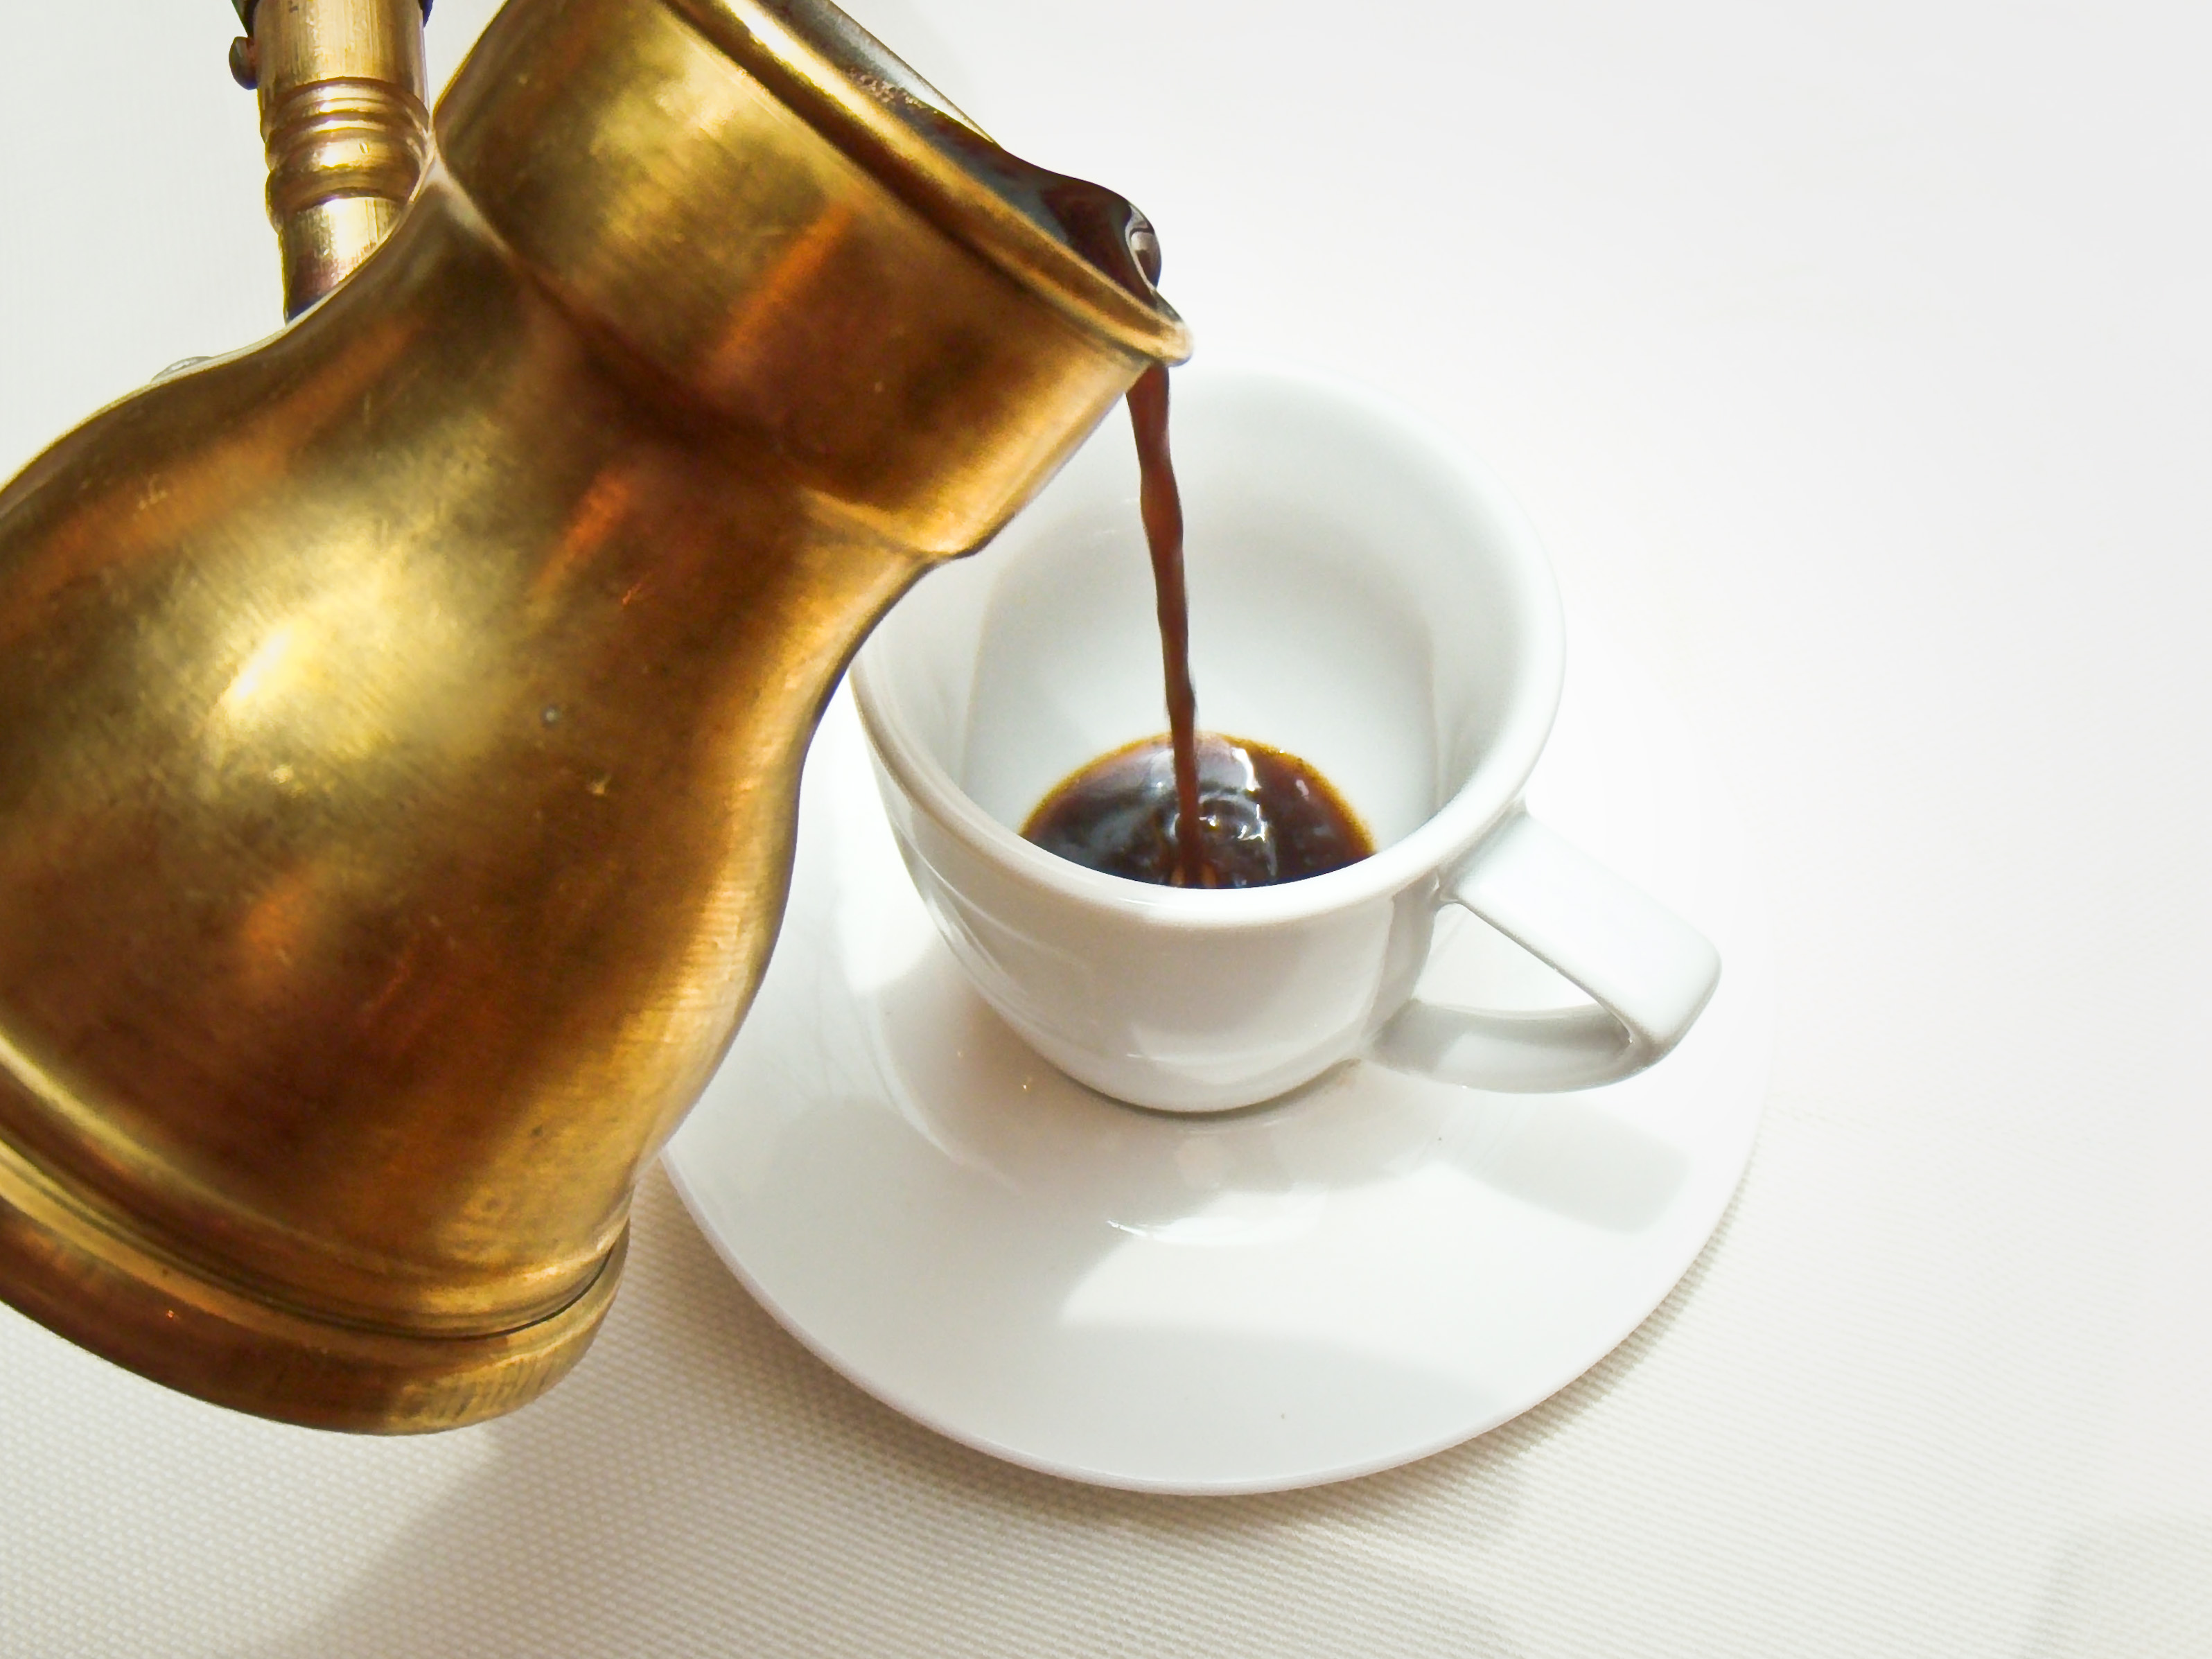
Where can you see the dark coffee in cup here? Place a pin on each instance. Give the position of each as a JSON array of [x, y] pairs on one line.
[[1263, 816]]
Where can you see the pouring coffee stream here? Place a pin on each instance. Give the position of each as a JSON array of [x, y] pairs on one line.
[[1273, 817], [1161, 503]]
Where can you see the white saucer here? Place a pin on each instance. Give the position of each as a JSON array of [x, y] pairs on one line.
[[1376, 1267]]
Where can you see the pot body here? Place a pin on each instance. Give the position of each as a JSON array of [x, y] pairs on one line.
[[400, 723]]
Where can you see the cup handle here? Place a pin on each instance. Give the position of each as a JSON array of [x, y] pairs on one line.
[[1649, 973]]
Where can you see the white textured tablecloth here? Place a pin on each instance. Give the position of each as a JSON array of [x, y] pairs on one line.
[[1857, 363]]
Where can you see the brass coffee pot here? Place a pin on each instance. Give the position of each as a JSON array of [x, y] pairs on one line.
[[401, 721]]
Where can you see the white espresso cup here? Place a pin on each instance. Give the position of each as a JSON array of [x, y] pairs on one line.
[[1362, 596]]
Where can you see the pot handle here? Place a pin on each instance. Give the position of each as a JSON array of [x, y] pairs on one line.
[[1648, 972]]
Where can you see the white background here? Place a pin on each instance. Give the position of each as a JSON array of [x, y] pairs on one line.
[[1853, 359]]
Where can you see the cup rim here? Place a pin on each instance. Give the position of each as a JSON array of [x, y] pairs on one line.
[[1441, 841]]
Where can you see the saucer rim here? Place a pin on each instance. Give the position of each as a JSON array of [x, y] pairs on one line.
[[1705, 1232]]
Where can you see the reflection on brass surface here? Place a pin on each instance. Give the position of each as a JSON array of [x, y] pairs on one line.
[[341, 85], [400, 723]]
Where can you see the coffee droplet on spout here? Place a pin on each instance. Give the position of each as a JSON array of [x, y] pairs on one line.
[[1145, 248]]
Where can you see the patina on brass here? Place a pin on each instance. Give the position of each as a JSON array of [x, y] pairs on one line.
[[400, 723], [344, 115]]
